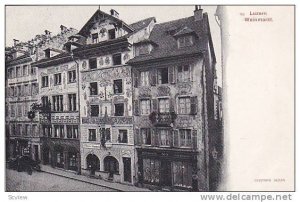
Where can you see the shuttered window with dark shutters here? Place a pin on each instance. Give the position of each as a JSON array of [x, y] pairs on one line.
[[194, 139], [171, 75], [194, 105], [136, 111], [153, 75]]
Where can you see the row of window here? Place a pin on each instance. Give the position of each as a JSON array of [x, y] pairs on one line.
[[20, 71], [106, 136], [23, 129], [60, 131], [23, 90], [57, 103], [164, 75], [19, 110], [111, 35], [180, 138], [185, 105], [116, 60], [58, 79], [117, 87]]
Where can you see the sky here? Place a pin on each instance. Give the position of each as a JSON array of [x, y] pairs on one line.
[[24, 22]]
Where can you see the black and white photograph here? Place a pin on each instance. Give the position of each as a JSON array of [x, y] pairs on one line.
[[148, 98], [117, 105]]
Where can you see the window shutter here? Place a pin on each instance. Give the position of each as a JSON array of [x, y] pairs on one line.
[[153, 77], [172, 105], [135, 79], [194, 105], [155, 139], [175, 138], [154, 105], [136, 108], [171, 72], [170, 135], [137, 137], [194, 139]]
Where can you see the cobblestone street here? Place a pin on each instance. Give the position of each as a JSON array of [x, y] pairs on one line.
[[41, 181]]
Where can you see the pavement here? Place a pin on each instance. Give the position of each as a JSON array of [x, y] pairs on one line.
[[93, 181], [46, 182]]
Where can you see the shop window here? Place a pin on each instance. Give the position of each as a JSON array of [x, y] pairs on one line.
[[72, 161], [184, 105], [182, 174], [93, 63], [163, 75], [119, 109], [123, 137], [118, 86], [117, 59], [151, 168], [72, 76], [164, 105], [146, 135], [112, 34], [94, 88], [57, 79], [92, 134], [94, 110]]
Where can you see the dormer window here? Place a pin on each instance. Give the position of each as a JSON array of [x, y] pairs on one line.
[[112, 34], [95, 38], [142, 49], [185, 41]]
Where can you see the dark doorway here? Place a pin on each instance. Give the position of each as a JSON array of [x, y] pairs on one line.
[[36, 152], [127, 169], [46, 156], [93, 163], [166, 179], [111, 165]]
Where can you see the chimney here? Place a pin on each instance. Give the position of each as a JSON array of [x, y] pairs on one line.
[[114, 13], [63, 28], [47, 33], [198, 13], [16, 42]]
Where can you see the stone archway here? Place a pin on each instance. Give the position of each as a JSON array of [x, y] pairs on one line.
[[93, 163], [111, 165]]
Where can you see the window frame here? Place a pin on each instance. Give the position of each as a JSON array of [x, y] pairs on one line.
[[92, 137], [115, 106], [57, 77], [115, 83], [45, 81], [72, 76], [96, 88]]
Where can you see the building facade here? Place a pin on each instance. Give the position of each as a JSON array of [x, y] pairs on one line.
[[173, 103], [22, 91], [107, 139], [131, 103]]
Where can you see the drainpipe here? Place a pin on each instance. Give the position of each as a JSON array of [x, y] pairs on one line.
[[79, 112]]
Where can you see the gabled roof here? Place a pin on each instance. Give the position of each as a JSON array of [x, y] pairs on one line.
[[184, 31], [97, 15], [142, 23], [163, 35]]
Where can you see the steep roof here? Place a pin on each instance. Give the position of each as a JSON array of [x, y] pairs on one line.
[[142, 23], [96, 15], [163, 35]]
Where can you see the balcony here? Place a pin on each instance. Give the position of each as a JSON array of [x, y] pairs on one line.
[[162, 119]]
